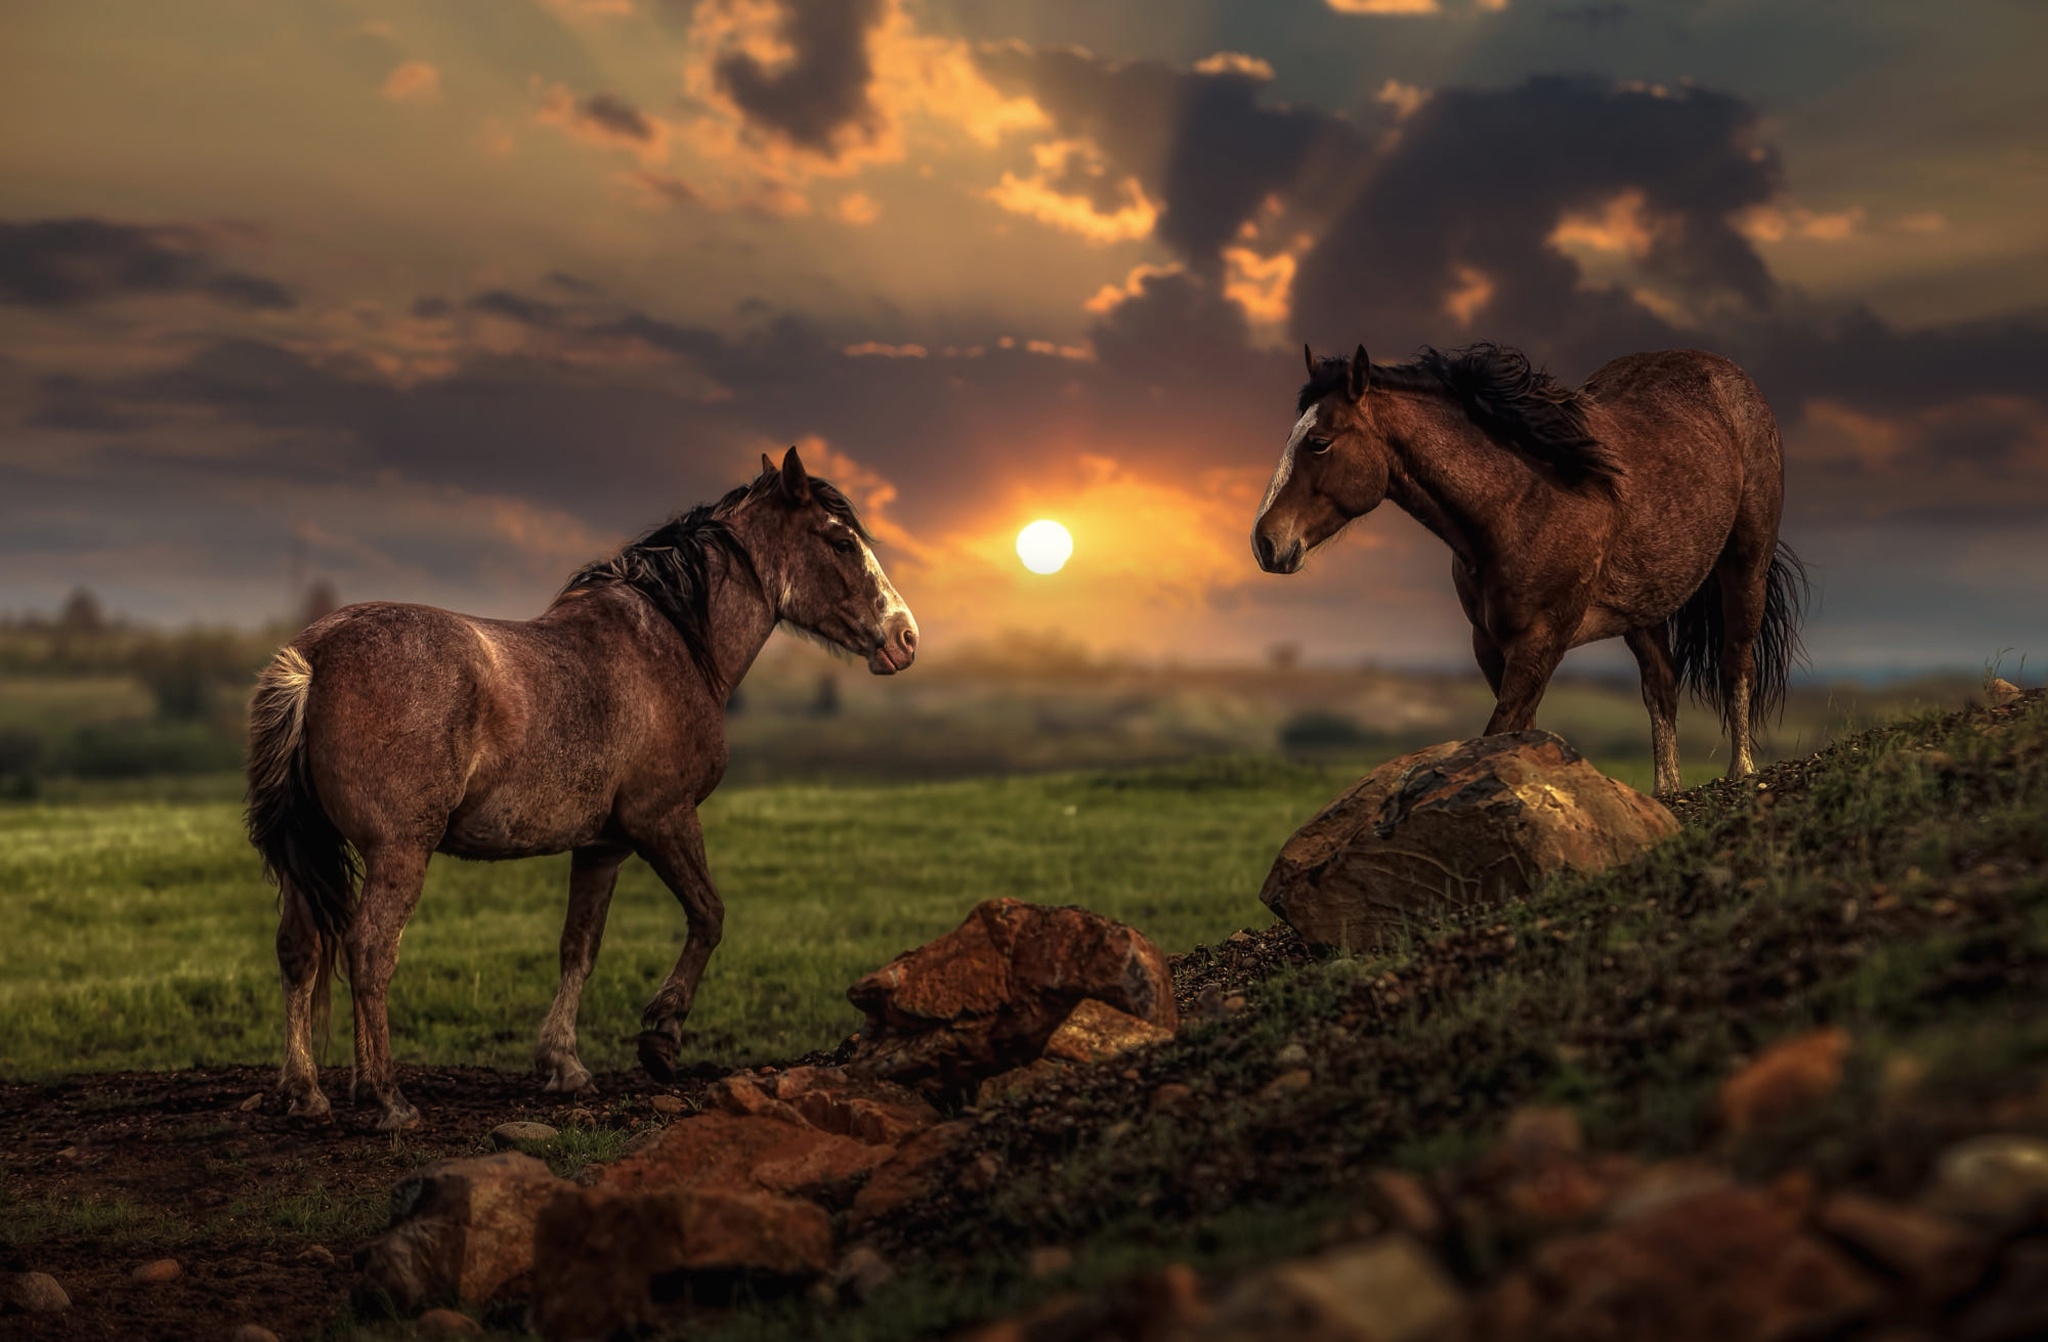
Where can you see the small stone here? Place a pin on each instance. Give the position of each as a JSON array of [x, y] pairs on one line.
[[1999, 1181], [1049, 1261], [252, 1332], [667, 1104], [1787, 1079], [1939, 1259], [448, 1323], [1387, 1290], [252, 1104], [1294, 1055], [1234, 1003], [578, 1118], [981, 1173], [1096, 1032], [861, 1273], [1406, 1203], [1171, 1095], [2002, 691], [32, 1293], [508, 1135], [157, 1271], [1298, 1079], [318, 1253]]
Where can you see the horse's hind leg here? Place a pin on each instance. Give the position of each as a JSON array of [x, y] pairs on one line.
[[1652, 646], [392, 878], [592, 873], [676, 852], [1744, 572], [301, 957]]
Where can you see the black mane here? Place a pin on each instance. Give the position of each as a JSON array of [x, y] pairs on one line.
[[1514, 403], [671, 565]]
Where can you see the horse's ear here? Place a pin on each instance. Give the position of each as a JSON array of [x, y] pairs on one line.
[[795, 483], [1361, 373], [767, 463], [1308, 358]]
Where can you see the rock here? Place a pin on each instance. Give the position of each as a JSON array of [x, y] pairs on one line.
[[1664, 1183], [2016, 1305], [1297, 1079], [861, 1273], [447, 1323], [1386, 1290], [252, 1332], [987, 996], [670, 1105], [1293, 1055], [462, 1230], [1048, 1260], [1170, 1095], [1939, 1259], [31, 1293], [316, 1253], [157, 1271], [2002, 692], [608, 1261], [1998, 1181], [1096, 1032], [1003, 1085], [508, 1135], [1536, 1133], [1401, 1200], [1731, 1265], [1463, 823], [832, 1100], [252, 1104], [1787, 1079], [1163, 1306], [908, 1174], [775, 1153]]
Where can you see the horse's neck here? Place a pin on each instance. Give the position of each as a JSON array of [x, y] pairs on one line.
[[1446, 474], [742, 618]]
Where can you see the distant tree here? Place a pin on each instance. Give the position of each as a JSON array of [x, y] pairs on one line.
[[82, 614], [826, 704], [321, 602], [1284, 656]]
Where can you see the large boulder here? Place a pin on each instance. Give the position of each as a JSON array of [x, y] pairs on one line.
[[987, 996], [462, 1230], [1463, 823]]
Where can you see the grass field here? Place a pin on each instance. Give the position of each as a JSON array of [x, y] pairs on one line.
[[139, 930]]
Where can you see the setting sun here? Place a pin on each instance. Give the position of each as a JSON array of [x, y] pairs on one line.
[[1044, 546]]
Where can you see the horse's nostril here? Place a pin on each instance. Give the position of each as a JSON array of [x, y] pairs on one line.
[[1263, 548], [908, 638]]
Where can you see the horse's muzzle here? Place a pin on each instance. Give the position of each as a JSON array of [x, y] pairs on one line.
[[1272, 558], [898, 648]]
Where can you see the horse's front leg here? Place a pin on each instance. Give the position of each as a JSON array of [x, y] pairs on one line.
[[676, 852], [1652, 646], [1528, 660], [592, 874]]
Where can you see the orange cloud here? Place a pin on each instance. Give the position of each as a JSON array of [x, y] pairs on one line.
[[605, 120], [875, 349], [1772, 223], [412, 81], [1234, 63], [1110, 296], [1470, 298], [1061, 162], [1620, 225], [1261, 285], [1405, 99], [857, 208]]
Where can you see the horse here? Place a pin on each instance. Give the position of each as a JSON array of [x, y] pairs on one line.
[[386, 733], [1644, 504]]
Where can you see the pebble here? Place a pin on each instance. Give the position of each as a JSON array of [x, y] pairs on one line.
[[1294, 1055], [448, 1323], [158, 1271], [252, 1104], [318, 1253], [516, 1134], [1171, 1095], [668, 1104], [1298, 1079], [1998, 1180], [252, 1332], [33, 1293], [579, 1118]]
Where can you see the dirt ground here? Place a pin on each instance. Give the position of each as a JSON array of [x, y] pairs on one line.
[[261, 1212]]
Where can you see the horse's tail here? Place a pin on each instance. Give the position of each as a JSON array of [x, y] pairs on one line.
[[1698, 631], [303, 852]]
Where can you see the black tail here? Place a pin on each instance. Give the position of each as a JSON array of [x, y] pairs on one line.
[[302, 850], [1698, 629]]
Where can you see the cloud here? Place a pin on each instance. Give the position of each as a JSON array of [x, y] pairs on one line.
[[806, 80], [412, 81], [1073, 190], [61, 263], [605, 120]]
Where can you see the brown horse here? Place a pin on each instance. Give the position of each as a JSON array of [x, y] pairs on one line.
[[1645, 504], [386, 733]]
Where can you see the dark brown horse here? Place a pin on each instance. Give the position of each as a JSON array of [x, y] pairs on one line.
[[1643, 505], [385, 733]]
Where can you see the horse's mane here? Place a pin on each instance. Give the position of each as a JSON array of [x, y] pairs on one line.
[[1513, 402], [671, 565]]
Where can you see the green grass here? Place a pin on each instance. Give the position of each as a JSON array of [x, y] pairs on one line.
[[139, 932]]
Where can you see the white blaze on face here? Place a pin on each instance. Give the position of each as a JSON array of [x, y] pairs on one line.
[[1285, 469], [892, 602]]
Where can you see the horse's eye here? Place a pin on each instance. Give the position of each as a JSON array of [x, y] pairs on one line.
[[845, 547], [1319, 445]]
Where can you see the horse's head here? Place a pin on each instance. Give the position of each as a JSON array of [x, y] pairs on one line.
[[818, 568], [1334, 467]]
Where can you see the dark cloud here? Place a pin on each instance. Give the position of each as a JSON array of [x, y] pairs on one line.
[[504, 303], [1200, 143], [823, 90], [617, 116], [1479, 180], [58, 263]]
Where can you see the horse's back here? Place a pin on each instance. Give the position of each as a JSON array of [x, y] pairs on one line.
[[1708, 392]]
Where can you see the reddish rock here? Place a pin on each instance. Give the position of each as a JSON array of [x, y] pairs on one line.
[[608, 1261], [832, 1100], [1787, 1079], [157, 1271], [1163, 1306], [1018, 1079], [1096, 1032], [908, 1175], [462, 1230], [1386, 1290], [1402, 1200], [988, 995], [1727, 1266], [1939, 1259], [1467, 822]]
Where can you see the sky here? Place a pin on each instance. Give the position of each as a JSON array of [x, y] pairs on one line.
[[439, 299]]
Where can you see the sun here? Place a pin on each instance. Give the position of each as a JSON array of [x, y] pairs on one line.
[[1044, 546]]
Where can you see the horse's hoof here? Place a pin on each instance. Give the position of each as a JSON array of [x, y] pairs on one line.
[[312, 1108], [398, 1117], [568, 1080], [658, 1055]]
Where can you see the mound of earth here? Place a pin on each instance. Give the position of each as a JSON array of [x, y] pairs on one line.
[[1805, 1041]]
